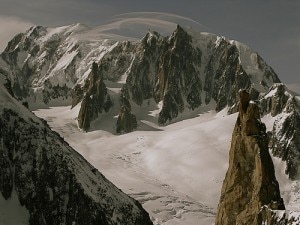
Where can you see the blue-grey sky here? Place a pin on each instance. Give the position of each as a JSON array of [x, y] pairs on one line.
[[270, 27]]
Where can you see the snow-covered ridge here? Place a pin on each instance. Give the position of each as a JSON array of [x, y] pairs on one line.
[[75, 39], [51, 65]]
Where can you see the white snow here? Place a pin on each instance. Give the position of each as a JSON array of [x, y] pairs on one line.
[[218, 41], [148, 164], [271, 93], [11, 212], [123, 78], [250, 62]]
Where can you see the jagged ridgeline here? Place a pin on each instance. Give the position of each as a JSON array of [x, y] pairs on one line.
[[51, 181], [180, 73], [183, 72]]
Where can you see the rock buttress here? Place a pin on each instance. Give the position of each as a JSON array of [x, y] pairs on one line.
[[250, 181]]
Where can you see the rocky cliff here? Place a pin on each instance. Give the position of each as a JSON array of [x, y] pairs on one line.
[[126, 120], [94, 96], [250, 181], [51, 180], [285, 134]]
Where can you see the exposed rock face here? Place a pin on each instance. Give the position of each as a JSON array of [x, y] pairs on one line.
[[250, 181], [275, 101], [142, 74], [54, 182], [224, 75], [96, 99], [285, 135], [179, 84], [126, 120], [285, 141], [267, 216], [184, 74]]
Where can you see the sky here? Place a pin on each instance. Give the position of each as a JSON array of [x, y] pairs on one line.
[[269, 27]]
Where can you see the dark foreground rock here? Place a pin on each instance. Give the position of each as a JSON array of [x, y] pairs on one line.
[[52, 181]]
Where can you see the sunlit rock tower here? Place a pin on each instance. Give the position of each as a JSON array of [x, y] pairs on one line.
[[250, 181]]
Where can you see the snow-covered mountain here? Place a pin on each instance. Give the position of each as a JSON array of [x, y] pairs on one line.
[[182, 71], [172, 76], [123, 84], [45, 181]]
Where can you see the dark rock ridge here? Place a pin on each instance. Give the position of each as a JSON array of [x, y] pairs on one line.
[[250, 181], [54, 183], [168, 71], [185, 73], [285, 135], [95, 100]]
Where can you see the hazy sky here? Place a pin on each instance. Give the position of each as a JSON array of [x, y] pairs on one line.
[[270, 27]]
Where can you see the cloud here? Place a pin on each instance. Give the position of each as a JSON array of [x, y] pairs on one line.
[[9, 27]]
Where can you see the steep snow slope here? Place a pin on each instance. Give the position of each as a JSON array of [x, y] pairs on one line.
[[44, 181]]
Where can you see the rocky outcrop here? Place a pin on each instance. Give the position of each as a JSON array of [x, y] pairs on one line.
[[96, 99], [285, 141], [52, 181], [285, 135], [179, 85], [267, 216], [179, 72], [142, 74], [168, 70], [250, 181], [224, 75], [126, 120], [275, 100]]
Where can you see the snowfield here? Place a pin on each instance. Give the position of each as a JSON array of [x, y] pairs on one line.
[[175, 171]]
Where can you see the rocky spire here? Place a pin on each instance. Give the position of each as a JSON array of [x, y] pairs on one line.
[[250, 181], [126, 120], [96, 99]]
